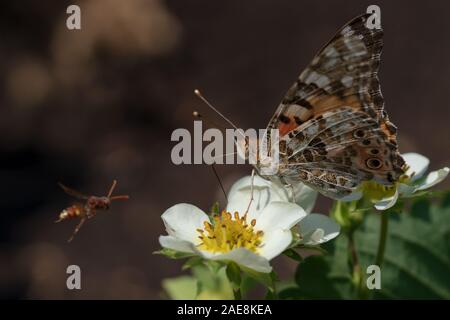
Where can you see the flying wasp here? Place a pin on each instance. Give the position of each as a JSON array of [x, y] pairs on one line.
[[89, 209]]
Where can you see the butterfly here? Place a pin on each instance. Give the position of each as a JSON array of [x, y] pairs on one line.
[[333, 130]]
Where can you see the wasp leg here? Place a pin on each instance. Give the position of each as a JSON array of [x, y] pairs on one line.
[[77, 228], [90, 213], [293, 196]]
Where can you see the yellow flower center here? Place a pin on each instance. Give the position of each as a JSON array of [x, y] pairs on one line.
[[375, 191], [225, 234]]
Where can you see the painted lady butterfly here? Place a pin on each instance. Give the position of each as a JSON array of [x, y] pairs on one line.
[[334, 131]]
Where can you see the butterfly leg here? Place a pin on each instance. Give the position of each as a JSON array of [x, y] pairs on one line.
[[290, 186], [77, 228], [251, 192]]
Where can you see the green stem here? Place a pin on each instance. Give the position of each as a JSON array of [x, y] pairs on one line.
[[357, 276], [272, 288], [234, 276], [384, 222], [237, 294]]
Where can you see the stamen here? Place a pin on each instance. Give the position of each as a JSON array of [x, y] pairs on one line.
[[228, 232]]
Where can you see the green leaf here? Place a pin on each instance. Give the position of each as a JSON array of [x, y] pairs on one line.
[[325, 277], [234, 275], [317, 248], [180, 288], [267, 279], [214, 266], [211, 285], [215, 209], [417, 257], [348, 214], [247, 284], [192, 262], [291, 293], [270, 295], [173, 254], [416, 260], [294, 255]]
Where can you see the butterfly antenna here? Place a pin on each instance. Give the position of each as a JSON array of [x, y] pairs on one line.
[[224, 155], [198, 94], [196, 114], [220, 181], [240, 132]]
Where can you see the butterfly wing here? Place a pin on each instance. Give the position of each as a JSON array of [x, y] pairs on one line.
[[334, 132]]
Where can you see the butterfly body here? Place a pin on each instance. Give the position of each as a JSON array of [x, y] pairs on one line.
[[333, 130]]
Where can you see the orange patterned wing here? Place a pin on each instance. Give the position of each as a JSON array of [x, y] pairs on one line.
[[334, 130]]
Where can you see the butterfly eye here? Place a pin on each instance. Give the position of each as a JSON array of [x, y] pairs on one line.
[[359, 133], [373, 163]]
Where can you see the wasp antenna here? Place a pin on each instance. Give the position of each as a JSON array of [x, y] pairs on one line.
[[111, 190], [121, 197]]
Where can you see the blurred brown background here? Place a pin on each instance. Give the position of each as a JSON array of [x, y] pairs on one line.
[[87, 106]]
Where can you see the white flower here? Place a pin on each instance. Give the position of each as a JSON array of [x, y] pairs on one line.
[[252, 239], [250, 243], [313, 228], [317, 228], [265, 191], [415, 180]]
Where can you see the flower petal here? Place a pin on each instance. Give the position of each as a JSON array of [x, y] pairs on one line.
[[264, 192], [305, 196], [388, 202], [182, 221], [418, 164], [173, 243], [355, 195], [240, 194], [406, 190], [318, 228], [245, 258], [275, 242], [279, 215], [433, 178]]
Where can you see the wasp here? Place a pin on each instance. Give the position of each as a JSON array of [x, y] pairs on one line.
[[89, 209]]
